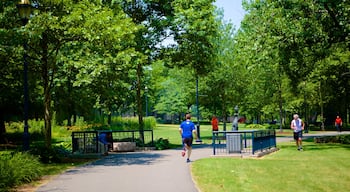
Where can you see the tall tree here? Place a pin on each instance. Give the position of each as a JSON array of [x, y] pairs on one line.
[[154, 18], [84, 26]]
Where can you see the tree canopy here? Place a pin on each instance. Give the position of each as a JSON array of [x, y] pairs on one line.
[[87, 56]]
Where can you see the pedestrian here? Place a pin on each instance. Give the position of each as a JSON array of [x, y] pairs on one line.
[[298, 126], [187, 130], [338, 123], [215, 127], [215, 123], [104, 142]]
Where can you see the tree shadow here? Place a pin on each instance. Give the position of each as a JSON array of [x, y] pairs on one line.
[[135, 158], [322, 146], [309, 145]]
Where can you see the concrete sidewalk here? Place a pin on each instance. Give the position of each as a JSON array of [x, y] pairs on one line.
[[149, 171]]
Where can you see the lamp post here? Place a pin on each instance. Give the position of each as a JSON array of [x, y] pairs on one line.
[[24, 9], [235, 119], [197, 103], [146, 97]]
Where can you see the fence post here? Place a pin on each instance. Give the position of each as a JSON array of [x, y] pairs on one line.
[[214, 138], [97, 145], [253, 142]]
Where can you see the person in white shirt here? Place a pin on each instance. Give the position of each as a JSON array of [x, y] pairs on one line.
[[298, 126]]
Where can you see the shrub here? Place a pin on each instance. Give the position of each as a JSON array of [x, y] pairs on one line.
[[17, 168], [52, 155], [255, 126], [344, 139], [126, 124], [162, 144], [272, 126]]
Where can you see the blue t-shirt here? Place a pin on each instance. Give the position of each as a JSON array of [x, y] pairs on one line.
[[103, 138], [187, 128]]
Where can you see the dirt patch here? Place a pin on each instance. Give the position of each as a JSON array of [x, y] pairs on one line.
[[33, 186]]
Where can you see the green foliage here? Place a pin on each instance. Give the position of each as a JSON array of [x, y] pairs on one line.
[[126, 124], [195, 29], [343, 139], [53, 155], [255, 126], [162, 144], [17, 168], [271, 126]]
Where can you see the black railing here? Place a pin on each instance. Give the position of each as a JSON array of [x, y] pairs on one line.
[[245, 141], [87, 141]]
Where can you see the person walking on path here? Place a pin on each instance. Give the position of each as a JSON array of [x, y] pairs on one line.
[[104, 142], [187, 130], [338, 123], [298, 126], [215, 123]]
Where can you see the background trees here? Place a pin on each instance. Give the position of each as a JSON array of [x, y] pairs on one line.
[[88, 56]]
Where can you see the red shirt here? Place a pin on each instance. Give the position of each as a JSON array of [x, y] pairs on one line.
[[338, 121], [215, 124]]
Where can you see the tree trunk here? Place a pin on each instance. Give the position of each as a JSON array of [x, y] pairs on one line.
[[47, 91], [224, 113], [70, 101], [47, 118], [280, 106], [110, 117], [3, 138], [139, 103], [321, 106]]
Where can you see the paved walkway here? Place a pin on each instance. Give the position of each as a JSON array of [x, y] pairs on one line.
[[150, 171]]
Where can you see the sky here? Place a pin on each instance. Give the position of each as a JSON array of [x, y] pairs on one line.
[[233, 10]]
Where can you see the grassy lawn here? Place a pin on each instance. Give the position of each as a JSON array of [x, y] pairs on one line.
[[171, 132], [320, 167]]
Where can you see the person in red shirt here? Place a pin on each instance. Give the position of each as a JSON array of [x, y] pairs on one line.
[[215, 123], [338, 123]]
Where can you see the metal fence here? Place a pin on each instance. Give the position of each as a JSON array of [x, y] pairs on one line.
[[87, 141], [243, 142]]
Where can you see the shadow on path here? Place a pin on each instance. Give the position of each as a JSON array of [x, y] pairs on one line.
[[135, 158]]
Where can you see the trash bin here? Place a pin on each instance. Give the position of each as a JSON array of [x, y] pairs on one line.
[[233, 143]]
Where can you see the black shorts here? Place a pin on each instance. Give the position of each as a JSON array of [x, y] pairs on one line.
[[298, 135], [187, 141]]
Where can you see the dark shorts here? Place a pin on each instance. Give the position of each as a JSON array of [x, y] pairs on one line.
[[298, 135], [187, 141]]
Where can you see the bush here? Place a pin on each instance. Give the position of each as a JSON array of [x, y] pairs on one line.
[[272, 126], [126, 124], [17, 168], [52, 155], [255, 126], [162, 144], [343, 139]]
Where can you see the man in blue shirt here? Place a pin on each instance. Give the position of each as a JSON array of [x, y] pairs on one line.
[[187, 128], [104, 141]]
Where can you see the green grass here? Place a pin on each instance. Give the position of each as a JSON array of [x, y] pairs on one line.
[[320, 167], [171, 132]]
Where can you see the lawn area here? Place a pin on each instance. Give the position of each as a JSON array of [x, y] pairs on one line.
[[320, 167], [171, 132]]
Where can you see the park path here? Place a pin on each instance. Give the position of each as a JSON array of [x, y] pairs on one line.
[[148, 171]]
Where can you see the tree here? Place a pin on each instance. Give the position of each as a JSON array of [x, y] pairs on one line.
[[82, 29], [154, 18]]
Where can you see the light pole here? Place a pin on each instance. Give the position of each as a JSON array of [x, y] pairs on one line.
[[24, 9], [197, 103], [146, 97], [235, 119]]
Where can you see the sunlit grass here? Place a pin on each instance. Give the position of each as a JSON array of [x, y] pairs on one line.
[[320, 167]]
